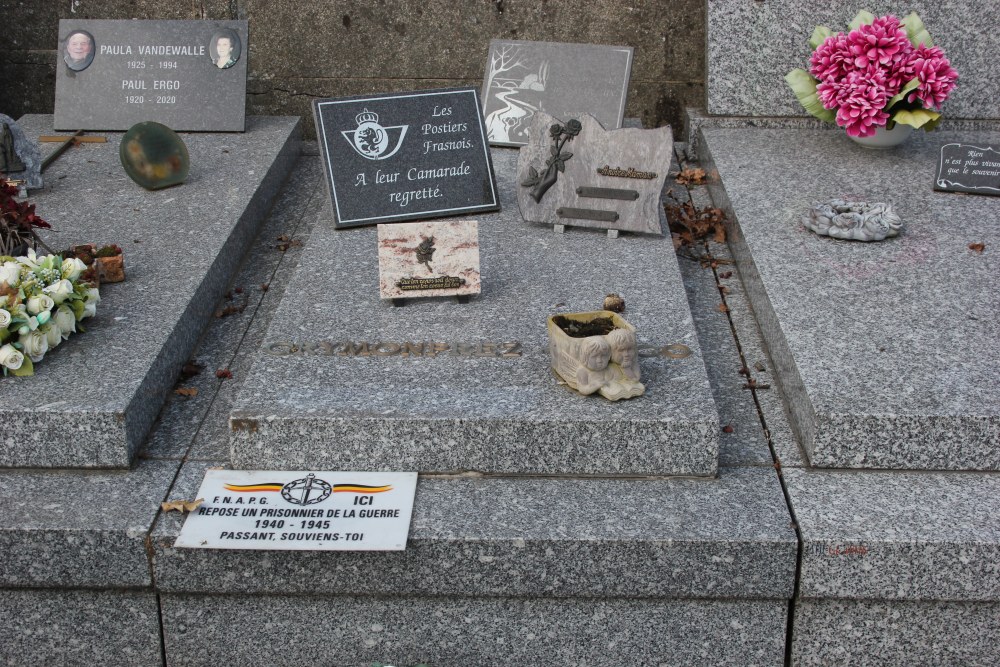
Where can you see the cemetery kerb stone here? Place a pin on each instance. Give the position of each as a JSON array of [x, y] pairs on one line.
[[555, 78], [438, 386], [153, 70], [92, 400]]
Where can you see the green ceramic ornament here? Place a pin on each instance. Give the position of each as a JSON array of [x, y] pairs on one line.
[[154, 156]]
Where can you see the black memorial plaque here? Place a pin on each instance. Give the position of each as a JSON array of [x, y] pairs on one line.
[[405, 156], [967, 168], [188, 75]]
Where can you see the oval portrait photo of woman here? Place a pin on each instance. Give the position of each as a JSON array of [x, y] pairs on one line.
[[78, 50], [224, 49]]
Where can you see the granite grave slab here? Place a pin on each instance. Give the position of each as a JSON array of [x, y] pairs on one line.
[[889, 535], [887, 353], [574, 172], [79, 628], [182, 246], [80, 529], [459, 631], [188, 75], [440, 386], [524, 78], [897, 634]]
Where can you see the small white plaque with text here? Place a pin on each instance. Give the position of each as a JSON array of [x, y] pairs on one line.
[[301, 511]]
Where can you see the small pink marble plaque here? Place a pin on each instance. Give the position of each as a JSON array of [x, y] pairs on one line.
[[418, 259]]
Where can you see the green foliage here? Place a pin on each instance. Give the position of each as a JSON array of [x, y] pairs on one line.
[[819, 36], [917, 118], [26, 369], [916, 31], [912, 85], [804, 87], [864, 17]]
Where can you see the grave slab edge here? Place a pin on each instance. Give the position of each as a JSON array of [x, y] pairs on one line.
[[123, 426]]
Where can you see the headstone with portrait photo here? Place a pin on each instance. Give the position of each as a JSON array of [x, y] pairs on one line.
[[187, 75]]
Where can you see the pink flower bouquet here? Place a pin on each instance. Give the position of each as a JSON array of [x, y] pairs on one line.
[[884, 71]]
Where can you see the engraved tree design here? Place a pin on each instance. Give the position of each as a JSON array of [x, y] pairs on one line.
[[540, 183]]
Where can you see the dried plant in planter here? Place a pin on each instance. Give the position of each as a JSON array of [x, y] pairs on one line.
[[18, 223]]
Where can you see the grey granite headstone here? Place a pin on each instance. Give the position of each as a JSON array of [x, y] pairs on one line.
[[752, 45], [523, 78], [405, 156], [968, 168], [172, 72], [27, 155], [611, 179]]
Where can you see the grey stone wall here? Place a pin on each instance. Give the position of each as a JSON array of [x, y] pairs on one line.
[[752, 45], [302, 50]]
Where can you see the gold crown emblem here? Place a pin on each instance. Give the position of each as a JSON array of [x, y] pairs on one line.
[[366, 116]]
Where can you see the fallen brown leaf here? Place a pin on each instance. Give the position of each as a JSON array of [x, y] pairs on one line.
[[190, 369], [689, 176], [977, 247], [190, 392], [286, 244], [183, 506], [223, 374], [723, 308], [720, 234], [728, 428], [691, 224]]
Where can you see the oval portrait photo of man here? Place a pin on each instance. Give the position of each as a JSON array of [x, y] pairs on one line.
[[78, 50], [224, 49]]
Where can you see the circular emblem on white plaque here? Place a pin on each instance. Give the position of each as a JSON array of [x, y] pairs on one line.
[[306, 491]]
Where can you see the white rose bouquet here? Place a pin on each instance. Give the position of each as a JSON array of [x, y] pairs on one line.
[[42, 301]]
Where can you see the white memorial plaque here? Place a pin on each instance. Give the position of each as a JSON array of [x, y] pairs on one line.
[[301, 511]]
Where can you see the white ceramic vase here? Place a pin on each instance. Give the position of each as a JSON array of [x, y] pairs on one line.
[[885, 138]]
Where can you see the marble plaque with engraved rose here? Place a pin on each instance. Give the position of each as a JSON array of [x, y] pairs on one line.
[[420, 259]]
